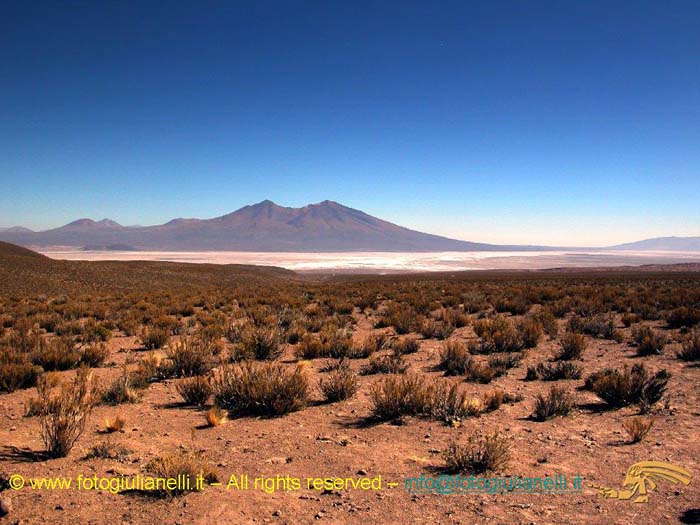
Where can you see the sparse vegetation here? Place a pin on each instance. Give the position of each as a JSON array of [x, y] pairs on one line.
[[480, 454], [254, 388], [64, 412], [558, 402], [339, 384], [637, 428]]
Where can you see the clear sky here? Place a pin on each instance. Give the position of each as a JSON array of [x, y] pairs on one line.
[[559, 122]]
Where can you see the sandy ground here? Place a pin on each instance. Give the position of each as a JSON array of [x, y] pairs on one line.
[[336, 440]]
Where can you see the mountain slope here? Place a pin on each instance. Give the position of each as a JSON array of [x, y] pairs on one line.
[[266, 226], [689, 244]]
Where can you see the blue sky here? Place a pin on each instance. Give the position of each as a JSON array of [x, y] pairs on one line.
[[572, 123]]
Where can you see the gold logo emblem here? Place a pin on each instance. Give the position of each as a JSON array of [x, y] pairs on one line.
[[641, 479]]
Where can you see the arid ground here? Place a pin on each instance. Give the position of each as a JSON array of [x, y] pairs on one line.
[[344, 377]]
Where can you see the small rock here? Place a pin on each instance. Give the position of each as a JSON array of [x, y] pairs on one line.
[[5, 506], [362, 472], [277, 513]]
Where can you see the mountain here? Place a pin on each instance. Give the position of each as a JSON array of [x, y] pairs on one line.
[[266, 226], [675, 244]]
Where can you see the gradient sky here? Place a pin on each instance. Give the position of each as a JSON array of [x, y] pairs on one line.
[[574, 123]]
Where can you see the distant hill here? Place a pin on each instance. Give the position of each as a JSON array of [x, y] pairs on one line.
[[25, 271], [8, 251], [676, 244], [266, 227]]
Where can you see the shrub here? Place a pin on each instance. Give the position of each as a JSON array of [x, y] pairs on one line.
[[479, 455], [493, 400], [401, 316], [683, 317], [94, 355], [190, 357], [216, 416], [310, 347], [16, 371], [263, 343], [454, 358], [194, 390], [649, 341], [629, 387], [529, 332], [404, 346], [558, 402], [64, 415], [115, 424], [184, 465], [637, 428], [108, 450], [385, 364], [155, 337], [451, 405], [339, 384], [554, 371], [548, 321], [572, 346], [124, 389], [260, 388], [432, 329], [56, 353], [498, 335], [400, 395], [369, 345], [690, 350], [629, 319]]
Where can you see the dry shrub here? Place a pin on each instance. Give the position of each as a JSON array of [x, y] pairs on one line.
[[260, 388], [572, 345], [339, 384], [479, 454], [17, 371], [493, 400], [683, 317], [108, 450], [400, 395], [433, 329], [558, 402], [124, 389], [263, 343], [690, 350], [115, 424], [155, 337], [56, 353], [548, 320], [64, 413], [637, 428], [529, 332], [449, 404], [404, 345], [649, 341], [454, 358], [368, 346], [194, 390], [310, 347], [629, 387], [499, 334], [216, 416], [554, 371], [183, 465], [94, 355], [385, 364], [190, 357]]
